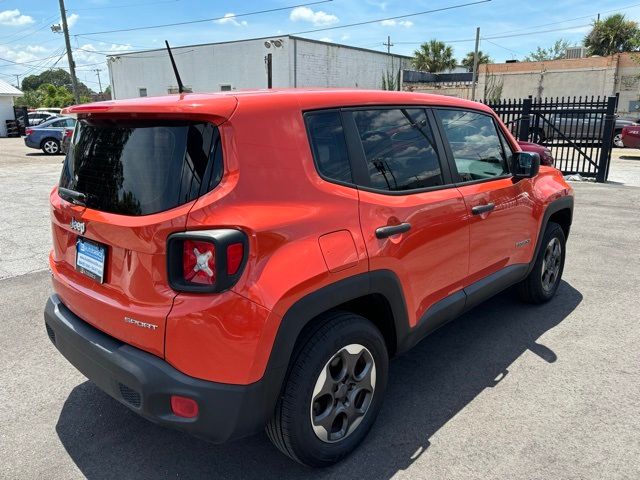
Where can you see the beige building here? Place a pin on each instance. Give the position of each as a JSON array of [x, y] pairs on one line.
[[604, 76]]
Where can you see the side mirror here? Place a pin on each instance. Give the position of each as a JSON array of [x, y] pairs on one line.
[[525, 165]]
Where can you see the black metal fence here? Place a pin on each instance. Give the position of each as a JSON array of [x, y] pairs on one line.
[[578, 131]]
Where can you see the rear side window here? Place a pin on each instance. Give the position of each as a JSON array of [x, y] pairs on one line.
[[399, 149], [142, 167], [475, 144], [328, 145]]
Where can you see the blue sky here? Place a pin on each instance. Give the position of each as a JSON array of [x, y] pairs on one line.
[[509, 29]]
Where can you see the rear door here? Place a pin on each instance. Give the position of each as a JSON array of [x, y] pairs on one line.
[[413, 219], [500, 210], [126, 185]]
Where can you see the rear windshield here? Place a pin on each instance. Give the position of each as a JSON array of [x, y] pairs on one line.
[[142, 167]]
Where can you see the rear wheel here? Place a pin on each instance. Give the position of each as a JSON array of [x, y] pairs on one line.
[[50, 146], [542, 282], [537, 135], [333, 391]]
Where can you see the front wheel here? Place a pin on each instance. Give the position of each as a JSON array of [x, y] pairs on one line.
[[542, 282], [617, 140], [333, 391]]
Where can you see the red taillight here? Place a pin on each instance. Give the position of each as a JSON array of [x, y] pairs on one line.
[[199, 262], [68, 133], [184, 406], [206, 261], [235, 254], [28, 131]]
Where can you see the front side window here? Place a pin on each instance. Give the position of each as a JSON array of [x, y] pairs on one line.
[[399, 149], [475, 144], [328, 145]]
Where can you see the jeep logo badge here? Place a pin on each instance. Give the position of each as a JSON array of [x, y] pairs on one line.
[[77, 226]]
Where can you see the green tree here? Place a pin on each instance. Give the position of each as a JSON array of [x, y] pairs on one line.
[[57, 78], [434, 56], [467, 61], [555, 52], [612, 35], [48, 95]]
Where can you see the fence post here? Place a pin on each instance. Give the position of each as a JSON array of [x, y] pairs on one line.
[[525, 120], [607, 141]]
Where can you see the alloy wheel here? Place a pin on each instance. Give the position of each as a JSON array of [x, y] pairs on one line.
[[51, 146], [551, 264], [343, 393], [617, 140]]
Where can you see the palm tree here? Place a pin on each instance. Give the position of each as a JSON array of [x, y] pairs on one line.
[[434, 56], [467, 61], [612, 35]]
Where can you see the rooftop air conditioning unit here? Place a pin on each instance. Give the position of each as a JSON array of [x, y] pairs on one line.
[[575, 52]]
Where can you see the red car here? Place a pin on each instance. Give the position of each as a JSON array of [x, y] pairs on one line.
[[546, 157], [631, 136], [225, 263]]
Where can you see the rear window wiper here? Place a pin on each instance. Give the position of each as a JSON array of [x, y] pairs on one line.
[[74, 197]]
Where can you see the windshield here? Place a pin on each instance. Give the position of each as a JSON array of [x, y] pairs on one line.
[[142, 167]]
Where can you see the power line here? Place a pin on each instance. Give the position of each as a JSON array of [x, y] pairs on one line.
[[190, 22], [368, 22], [126, 5]]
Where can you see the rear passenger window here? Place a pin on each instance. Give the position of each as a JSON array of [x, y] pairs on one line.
[[399, 149], [476, 147], [328, 145]]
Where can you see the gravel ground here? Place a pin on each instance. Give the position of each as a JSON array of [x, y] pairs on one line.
[[508, 391]]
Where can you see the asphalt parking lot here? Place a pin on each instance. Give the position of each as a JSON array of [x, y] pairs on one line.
[[508, 391]]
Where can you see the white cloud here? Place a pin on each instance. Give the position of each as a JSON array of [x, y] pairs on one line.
[[397, 23], [20, 55], [35, 48], [318, 18], [345, 37], [326, 39], [13, 18], [230, 18], [72, 19]]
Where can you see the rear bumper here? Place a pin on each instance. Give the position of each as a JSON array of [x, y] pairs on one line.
[[29, 143], [144, 382]]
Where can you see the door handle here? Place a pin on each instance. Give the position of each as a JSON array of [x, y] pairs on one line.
[[480, 209], [384, 232]]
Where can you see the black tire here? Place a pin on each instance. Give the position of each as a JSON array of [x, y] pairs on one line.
[[534, 288], [536, 135], [291, 429], [617, 139], [50, 146]]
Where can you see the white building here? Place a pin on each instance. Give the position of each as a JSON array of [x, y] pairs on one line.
[[296, 62], [7, 96]]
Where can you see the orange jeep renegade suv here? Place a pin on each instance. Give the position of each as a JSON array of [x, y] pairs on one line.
[[228, 262]]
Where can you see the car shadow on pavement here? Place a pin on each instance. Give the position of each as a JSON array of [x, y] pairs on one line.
[[428, 386]]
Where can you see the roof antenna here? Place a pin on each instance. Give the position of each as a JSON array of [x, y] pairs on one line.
[[175, 69]]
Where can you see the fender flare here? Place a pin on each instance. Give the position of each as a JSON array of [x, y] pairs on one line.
[[562, 203]]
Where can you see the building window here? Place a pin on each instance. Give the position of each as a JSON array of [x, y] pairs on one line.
[[225, 88], [142, 92], [172, 90]]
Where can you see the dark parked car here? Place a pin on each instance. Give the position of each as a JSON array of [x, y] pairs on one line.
[[574, 124], [48, 135]]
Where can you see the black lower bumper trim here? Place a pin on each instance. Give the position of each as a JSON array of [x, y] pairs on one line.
[[144, 382]]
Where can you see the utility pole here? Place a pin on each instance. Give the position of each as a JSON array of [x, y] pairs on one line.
[[388, 44], [97, 70], [475, 66], [72, 66], [17, 81]]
